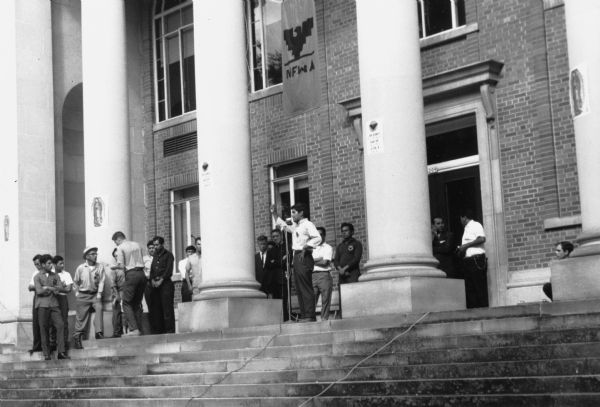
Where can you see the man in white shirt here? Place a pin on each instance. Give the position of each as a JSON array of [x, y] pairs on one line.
[[88, 282], [186, 278], [63, 302], [193, 267], [305, 238], [474, 262], [322, 281]]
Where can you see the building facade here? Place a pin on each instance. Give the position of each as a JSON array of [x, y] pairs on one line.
[[108, 122]]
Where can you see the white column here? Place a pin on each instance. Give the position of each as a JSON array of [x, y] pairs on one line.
[[105, 116], [577, 278], [583, 36], [226, 209], [396, 182], [27, 167], [400, 272]]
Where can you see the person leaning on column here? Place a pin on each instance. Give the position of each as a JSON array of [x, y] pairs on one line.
[[305, 238], [35, 325], [88, 282], [562, 251]]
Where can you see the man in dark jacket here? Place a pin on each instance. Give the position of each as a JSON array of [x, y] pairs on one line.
[[347, 255], [161, 309], [444, 247]]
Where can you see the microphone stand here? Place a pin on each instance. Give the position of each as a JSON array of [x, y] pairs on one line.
[[288, 275]]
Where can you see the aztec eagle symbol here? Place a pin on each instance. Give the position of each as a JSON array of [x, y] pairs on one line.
[[295, 37]]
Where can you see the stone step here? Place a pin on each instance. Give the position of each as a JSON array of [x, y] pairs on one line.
[[526, 400], [370, 372], [290, 334], [265, 364], [73, 363], [528, 385], [525, 352], [73, 371]]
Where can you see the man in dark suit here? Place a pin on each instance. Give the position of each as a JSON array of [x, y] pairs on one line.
[[279, 284], [444, 247], [263, 262]]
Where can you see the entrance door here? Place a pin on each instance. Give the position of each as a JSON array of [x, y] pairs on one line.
[[453, 191]]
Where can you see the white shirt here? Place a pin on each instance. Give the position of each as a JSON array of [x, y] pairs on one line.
[[66, 279], [147, 263], [194, 265], [473, 230], [181, 267], [325, 252], [304, 233]]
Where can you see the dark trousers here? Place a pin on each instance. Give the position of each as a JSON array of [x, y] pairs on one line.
[[51, 317], [132, 295], [475, 274], [186, 291], [323, 285], [117, 319], [35, 326], [63, 306], [161, 310], [303, 270]]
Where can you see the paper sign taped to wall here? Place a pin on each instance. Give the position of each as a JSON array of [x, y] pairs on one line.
[[374, 137]]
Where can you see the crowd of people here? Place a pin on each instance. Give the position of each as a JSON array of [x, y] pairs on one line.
[[133, 277], [295, 244]]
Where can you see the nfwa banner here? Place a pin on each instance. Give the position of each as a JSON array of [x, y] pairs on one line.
[[301, 87]]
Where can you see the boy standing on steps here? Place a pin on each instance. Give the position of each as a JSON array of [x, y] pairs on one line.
[[47, 286]]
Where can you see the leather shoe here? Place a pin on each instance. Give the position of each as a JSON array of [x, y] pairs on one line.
[[63, 355], [132, 333], [99, 335], [77, 342], [32, 351], [47, 357]]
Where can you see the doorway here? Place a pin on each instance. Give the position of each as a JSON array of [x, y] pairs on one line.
[[453, 191], [70, 182]]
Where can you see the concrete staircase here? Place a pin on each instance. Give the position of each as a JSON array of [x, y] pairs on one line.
[[531, 355]]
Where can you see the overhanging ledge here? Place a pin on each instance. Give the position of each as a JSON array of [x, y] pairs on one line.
[[478, 77], [463, 80]]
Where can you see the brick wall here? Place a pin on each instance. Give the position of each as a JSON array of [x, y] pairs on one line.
[[535, 132]]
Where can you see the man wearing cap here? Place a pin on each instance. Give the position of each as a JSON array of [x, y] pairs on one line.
[[89, 284], [131, 260]]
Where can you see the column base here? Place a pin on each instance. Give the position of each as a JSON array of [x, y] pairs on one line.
[[576, 278], [221, 313], [401, 295]]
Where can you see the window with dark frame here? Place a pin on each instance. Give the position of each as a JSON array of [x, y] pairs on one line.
[[263, 23], [437, 16], [175, 84]]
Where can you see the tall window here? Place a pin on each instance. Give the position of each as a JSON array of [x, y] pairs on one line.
[[436, 16], [264, 43], [185, 219], [175, 85], [289, 185]]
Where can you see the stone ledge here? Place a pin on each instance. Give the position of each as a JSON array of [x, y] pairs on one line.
[[449, 35], [562, 222]]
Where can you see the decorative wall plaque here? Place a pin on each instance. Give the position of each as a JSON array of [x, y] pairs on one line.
[[98, 211]]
